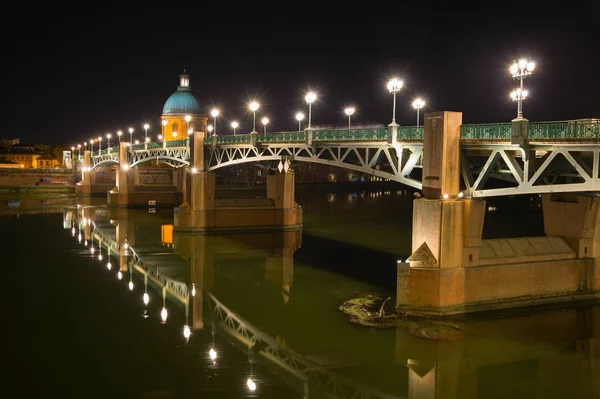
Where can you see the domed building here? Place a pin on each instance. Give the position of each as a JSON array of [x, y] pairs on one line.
[[180, 111]]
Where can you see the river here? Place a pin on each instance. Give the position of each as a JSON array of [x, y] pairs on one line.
[[263, 315]]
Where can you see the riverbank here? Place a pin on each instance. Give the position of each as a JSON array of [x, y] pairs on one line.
[[36, 192]]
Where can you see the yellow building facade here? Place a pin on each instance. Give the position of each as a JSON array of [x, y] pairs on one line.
[[26, 160], [180, 111]]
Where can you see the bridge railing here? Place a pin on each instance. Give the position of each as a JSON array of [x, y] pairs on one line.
[[176, 143], [480, 131], [286, 137], [351, 134], [575, 129], [410, 132]]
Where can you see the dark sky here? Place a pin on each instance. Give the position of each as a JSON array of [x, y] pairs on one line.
[[68, 77]]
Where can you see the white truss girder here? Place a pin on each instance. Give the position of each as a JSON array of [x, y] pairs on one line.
[[533, 169], [174, 156], [377, 159]]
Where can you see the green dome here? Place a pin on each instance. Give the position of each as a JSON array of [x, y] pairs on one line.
[[182, 102]]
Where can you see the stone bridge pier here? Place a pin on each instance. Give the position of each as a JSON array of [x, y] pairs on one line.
[[201, 212], [452, 270], [129, 192]]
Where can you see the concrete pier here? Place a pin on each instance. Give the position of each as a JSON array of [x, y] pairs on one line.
[[201, 212], [452, 270]]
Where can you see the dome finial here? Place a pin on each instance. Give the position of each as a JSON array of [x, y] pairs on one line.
[[184, 81]]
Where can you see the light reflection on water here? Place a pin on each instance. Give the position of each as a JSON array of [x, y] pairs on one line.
[[263, 318]]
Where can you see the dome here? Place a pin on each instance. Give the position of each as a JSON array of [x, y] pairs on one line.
[[182, 102]]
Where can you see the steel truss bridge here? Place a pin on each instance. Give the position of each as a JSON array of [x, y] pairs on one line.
[[558, 156], [167, 270]]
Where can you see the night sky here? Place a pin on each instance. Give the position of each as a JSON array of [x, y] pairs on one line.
[[68, 78]]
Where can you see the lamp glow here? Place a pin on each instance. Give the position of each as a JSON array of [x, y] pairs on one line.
[[108, 266], [254, 106], [213, 354], [186, 332], [394, 86], [146, 298], [251, 385], [163, 314], [214, 113], [119, 275], [130, 286]]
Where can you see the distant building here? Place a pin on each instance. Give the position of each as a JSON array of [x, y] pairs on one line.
[[46, 161], [7, 163], [7, 143]]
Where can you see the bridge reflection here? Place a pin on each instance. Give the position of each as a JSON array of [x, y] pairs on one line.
[[555, 353], [182, 268]]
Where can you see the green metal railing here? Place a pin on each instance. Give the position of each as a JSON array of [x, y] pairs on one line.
[[285, 137], [176, 143], [351, 134], [237, 139], [410, 132], [575, 129], [486, 131]]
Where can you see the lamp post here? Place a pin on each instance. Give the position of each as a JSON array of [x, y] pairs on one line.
[[130, 136], [299, 118], [310, 98], [253, 107], [92, 147], [209, 128], [108, 136], [394, 86], [187, 118], [146, 127], [164, 128], [119, 133], [214, 113], [84, 146], [78, 151], [265, 121], [99, 145], [418, 104], [349, 111], [234, 125], [520, 70]]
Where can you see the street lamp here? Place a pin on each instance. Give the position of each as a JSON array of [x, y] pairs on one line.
[[265, 121], [164, 128], [92, 147], [187, 121], [108, 136], [310, 98], [130, 136], [214, 113], [394, 86], [253, 107], [417, 105], [84, 146], [520, 70], [210, 128], [146, 127], [119, 133], [99, 145], [234, 125], [349, 111], [299, 118], [78, 151]]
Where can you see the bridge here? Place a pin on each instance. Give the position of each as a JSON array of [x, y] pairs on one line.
[[184, 279], [558, 156]]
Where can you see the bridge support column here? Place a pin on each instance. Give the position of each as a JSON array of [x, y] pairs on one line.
[[576, 218], [84, 187], [119, 195], [519, 131]]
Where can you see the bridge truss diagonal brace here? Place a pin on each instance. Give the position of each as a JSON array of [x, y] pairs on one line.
[[366, 157], [513, 165]]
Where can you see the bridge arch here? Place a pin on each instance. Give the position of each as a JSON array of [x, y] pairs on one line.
[[364, 159], [169, 160], [105, 162]]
